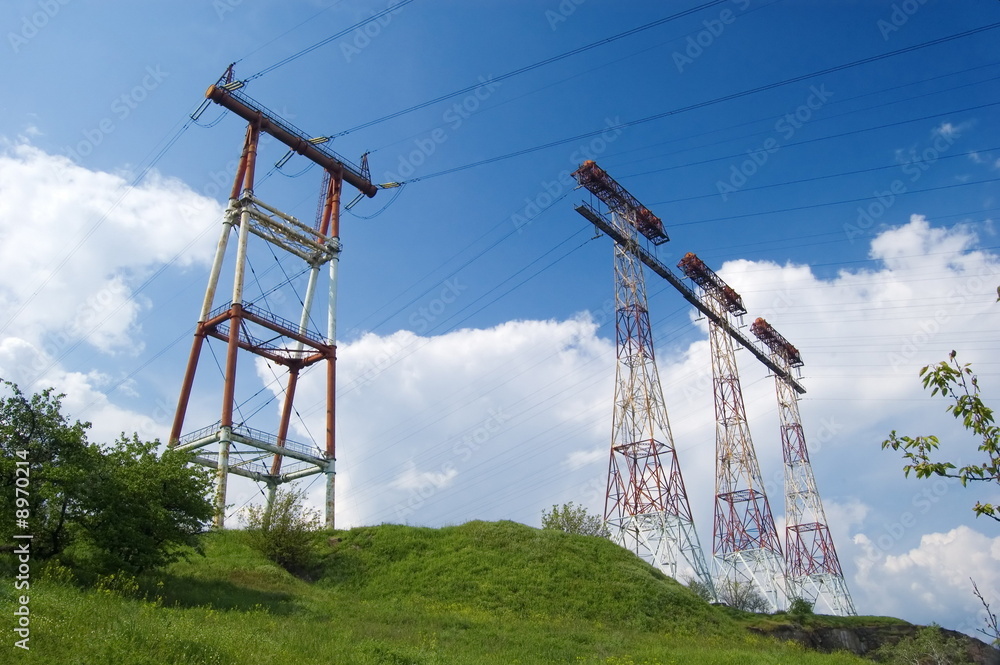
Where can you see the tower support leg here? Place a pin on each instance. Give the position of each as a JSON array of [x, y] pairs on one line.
[[221, 478], [272, 491]]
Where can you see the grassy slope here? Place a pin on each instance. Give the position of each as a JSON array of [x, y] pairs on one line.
[[477, 593]]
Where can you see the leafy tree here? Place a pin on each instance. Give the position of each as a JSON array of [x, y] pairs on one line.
[[286, 534], [742, 596], [145, 508], [800, 609], [59, 462], [574, 519], [701, 589], [120, 508], [930, 646], [957, 383]]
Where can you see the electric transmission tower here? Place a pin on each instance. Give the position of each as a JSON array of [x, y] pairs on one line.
[[812, 568], [247, 328], [646, 507], [746, 542]]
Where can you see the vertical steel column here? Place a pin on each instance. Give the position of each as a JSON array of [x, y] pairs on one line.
[[213, 282], [293, 372], [332, 217], [235, 324]]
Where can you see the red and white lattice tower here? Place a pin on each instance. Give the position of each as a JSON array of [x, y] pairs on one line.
[[251, 332], [812, 568], [646, 508], [746, 544]]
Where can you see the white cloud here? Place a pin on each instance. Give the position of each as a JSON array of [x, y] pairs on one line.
[[582, 458], [950, 131], [74, 245], [413, 480], [441, 429], [931, 582]]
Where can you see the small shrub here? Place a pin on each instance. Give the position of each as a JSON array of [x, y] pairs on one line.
[[929, 645], [286, 535], [700, 589], [800, 609], [742, 596], [574, 519]]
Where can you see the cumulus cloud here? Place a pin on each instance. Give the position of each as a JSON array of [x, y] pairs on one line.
[[75, 244], [933, 580], [438, 429]]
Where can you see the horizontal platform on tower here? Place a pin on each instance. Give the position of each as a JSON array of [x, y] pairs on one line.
[[619, 200], [278, 349], [253, 451], [654, 264]]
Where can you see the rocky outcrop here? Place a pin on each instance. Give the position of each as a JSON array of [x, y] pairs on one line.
[[862, 640]]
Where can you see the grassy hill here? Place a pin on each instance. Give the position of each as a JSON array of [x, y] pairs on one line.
[[477, 593]]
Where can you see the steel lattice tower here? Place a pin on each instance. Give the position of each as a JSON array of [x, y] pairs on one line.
[[746, 542], [646, 507], [246, 328], [812, 568]]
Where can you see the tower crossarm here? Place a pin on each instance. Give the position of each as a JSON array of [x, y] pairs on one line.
[[763, 331], [658, 267], [619, 200], [230, 97], [711, 283]]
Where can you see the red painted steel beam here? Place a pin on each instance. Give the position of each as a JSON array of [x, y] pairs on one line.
[[259, 116]]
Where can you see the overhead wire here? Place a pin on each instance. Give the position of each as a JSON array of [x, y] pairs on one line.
[[533, 66], [394, 7], [703, 104]]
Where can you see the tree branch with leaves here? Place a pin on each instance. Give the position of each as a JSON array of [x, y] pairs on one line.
[[959, 384]]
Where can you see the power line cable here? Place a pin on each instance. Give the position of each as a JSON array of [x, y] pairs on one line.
[[309, 49], [703, 104], [533, 66]]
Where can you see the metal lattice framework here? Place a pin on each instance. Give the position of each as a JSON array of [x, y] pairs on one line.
[[812, 567], [646, 507], [248, 329], [745, 539]]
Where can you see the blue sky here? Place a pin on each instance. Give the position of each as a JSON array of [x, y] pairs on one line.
[[847, 194]]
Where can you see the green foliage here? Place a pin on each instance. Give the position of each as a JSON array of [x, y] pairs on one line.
[[143, 509], [742, 596], [930, 646], [123, 508], [509, 569], [957, 383], [800, 609], [286, 534], [60, 462], [700, 589], [574, 519]]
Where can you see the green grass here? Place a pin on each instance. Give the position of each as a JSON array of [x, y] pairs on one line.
[[500, 593]]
